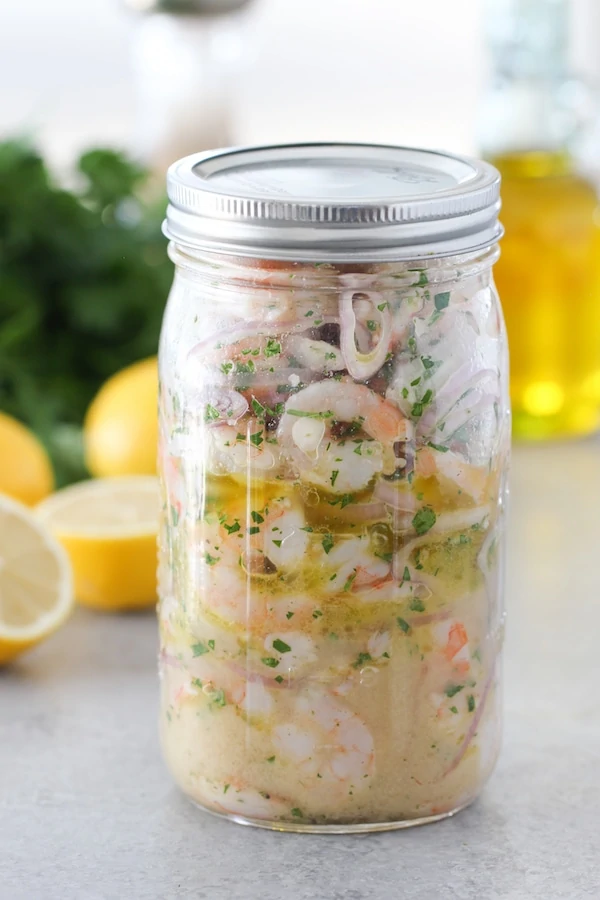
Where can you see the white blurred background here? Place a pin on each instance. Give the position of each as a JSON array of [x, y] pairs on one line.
[[382, 70]]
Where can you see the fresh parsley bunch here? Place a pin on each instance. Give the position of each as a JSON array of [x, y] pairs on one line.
[[84, 277]]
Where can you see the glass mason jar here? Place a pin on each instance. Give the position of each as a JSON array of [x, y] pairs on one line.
[[334, 440]]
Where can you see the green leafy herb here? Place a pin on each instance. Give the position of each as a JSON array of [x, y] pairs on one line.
[[254, 529], [327, 542], [211, 413], [308, 528], [405, 392], [277, 543], [403, 624], [381, 306], [326, 414], [257, 407], [279, 679], [256, 517], [199, 649], [405, 574], [281, 646], [270, 661], [416, 605], [453, 709], [424, 520], [442, 300], [361, 659], [218, 698], [349, 581], [273, 348], [289, 615], [231, 529], [256, 438], [453, 689], [226, 367], [471, 703], [423, 280], [211, 644], [371, 325], [334, 476], [270, 759], [415, 382], [343, 500], [439, 447], [226, 788], [428, 363], [211, 560], [298, 812]]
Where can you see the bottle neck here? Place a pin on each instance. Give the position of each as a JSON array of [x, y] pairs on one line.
[[527, 108]]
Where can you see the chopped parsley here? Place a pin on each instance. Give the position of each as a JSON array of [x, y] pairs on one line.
[[424, 520], [226, 368], [256, 517], [439, 447], [218, 698], [254, 530], [361, 659], [334, 476], [270, 759], [297, 813], [403, 624], [427, 361], [471, 703], [211, 560], [416, 605], [405, 392], [279, 679], [327, 543], [211, 413], [423, 280], [277, 543], [326, 414], [258, 408], [343, 500], [349, 581], [454, 710], [442, 300], [270, 661], [256, 438], [281, 646], [453, 689], [273, 348], [289, 615], [231, 529], [211, 644], [405, 574], [371, 325], [199, 649]]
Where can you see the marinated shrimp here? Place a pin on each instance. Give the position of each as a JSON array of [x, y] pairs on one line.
[[330, 556]]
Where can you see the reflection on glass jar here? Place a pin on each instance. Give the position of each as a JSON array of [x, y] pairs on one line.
[[333, 451]]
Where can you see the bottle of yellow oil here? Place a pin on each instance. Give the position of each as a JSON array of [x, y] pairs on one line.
[[548, 275]]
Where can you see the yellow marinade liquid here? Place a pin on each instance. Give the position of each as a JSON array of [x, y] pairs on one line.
[[548, 278]]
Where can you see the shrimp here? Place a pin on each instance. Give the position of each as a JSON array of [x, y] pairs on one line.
[[235, 451], [307, 427], [355, 567], [471, 480], [452, 643], [326, 742]]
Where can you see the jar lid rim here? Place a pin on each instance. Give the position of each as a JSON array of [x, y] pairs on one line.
[[332, 199]]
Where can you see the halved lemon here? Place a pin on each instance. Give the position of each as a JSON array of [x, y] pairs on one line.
[[108, 526], [36, 589]]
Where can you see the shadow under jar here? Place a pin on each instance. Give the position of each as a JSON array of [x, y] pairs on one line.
[[334, 442]]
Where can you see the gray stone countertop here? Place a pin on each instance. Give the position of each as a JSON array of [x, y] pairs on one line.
[[88, 812]]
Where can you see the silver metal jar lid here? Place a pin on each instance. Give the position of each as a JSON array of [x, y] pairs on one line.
[[344, 202], [187, 7]]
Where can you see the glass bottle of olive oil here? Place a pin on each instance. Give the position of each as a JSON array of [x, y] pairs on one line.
[[548, 275]]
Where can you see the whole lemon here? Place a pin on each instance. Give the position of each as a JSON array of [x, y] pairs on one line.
[[121, 425], [25, 469]]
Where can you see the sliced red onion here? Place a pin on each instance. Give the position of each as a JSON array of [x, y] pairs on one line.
[[398, 500], [474, 725], [362, 365], [219, 406]]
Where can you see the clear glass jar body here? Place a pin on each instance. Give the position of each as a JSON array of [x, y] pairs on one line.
[[334, 444]]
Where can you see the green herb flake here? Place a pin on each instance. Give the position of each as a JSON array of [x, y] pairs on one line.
[[218, 698], [226, 788], [371, 325], [199, 649], [327, 543], [453, 689], [210, 413], [256, 438], [273, 348], [281, 646], [277, 543], [361, 659], [416, 605], [427, 361], [254, 530], [415, 382], [257, 407], [317, 614], [439, 447], [424, 520], [405, 575], [226, 368], [334, 476], [454, 710], [289, 615], [442, 300], [349, 581], [256, 517], [405, 392], [308, 528], [403, 624], [270, 759], [270, 661], [326, 414], [297, 813], [423, 280], [471, 703], [279, 679], [381, 306], [211, 644], [231, 529], [211, 560]]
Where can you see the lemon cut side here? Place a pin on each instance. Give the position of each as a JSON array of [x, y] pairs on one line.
[[36, 588], [108, 526]]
